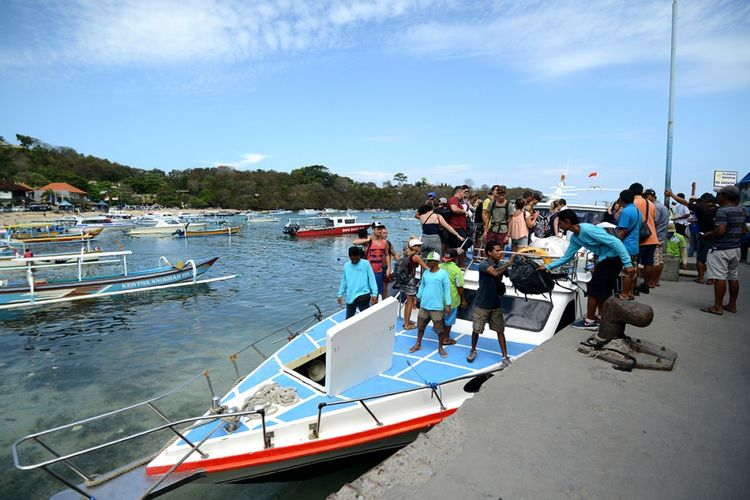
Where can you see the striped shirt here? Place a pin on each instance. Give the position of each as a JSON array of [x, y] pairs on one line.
[[733, 217]]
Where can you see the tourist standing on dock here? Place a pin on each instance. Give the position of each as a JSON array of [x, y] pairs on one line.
[[358, 283], [434, 295], [487, 306], [647, 245], [628, 229], [456, 279], [681, 217], [724, 256], [661, 221], [612, 257], [705, 212]]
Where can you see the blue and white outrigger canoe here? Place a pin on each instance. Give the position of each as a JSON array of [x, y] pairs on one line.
[[36, 292], [338, 389]]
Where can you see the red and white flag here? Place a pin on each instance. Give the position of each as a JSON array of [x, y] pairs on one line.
[[593, 174]]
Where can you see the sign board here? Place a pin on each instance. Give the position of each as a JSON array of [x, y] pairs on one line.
[[725, 178]]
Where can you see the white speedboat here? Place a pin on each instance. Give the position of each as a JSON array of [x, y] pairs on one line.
[[164, 226], [101, 221], [340, 388]]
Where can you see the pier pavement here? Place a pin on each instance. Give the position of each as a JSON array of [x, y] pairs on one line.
[[557, 424]]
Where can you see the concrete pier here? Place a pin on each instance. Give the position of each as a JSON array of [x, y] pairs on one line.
[[557, 424]]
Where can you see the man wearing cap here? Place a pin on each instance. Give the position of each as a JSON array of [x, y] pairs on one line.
[[358, 283], [705, 212], [456, 279], [487, 302], [434, 295], [724, 256]]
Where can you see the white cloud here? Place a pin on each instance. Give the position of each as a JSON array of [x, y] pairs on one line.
[[537, 38], [246, 160]]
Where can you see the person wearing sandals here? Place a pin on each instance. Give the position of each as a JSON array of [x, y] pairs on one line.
[[628, 230], [434, 295], [724, 256], [456, 278], [410, 288], [431, 223], [487, 302]]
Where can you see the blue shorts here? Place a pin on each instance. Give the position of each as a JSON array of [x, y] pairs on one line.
[[450, 319], [379, 281]]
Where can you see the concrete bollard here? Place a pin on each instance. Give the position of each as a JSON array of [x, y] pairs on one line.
[[671, 271]]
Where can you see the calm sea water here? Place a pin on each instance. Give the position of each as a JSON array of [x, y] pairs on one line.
[[65, 362]]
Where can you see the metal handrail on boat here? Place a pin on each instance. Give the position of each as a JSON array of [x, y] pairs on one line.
[[172, 425], [315, 431]]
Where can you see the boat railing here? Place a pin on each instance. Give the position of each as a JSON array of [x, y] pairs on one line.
[[216, 414], [291, 330], [433, 387]]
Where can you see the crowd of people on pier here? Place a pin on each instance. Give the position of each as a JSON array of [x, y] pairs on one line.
[[636, 232]]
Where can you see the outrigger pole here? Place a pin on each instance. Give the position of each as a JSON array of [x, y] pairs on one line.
[[670, 120]]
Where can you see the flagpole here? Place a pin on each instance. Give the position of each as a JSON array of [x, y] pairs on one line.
[[670, 120]]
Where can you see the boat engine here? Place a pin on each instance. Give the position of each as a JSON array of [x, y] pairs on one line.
[[291, 228]]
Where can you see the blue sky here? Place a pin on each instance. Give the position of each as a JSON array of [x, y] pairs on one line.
[[510, 92]]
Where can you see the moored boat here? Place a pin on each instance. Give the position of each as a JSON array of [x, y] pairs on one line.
[[164, 226], [55, 236], [323, 226], [35, 291], [340, 388], [221, 231]]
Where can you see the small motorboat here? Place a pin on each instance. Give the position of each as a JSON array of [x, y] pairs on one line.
[[164, 226], [221, 231], [323, 226]]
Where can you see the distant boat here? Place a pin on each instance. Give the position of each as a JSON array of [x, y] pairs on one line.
[[254, 219], [323, 226], [308, 211], [165, 226], [101, 221], [54, 237], [224, 231]]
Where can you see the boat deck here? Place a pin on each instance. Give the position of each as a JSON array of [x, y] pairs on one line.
[[407, 371]]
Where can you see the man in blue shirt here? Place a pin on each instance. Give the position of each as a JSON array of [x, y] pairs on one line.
[[358, 282], [434, 295], [628, 230], [611, 258]]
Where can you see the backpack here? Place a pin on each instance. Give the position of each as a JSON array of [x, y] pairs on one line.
[[542, 228], [402, 274], [529, 280], [507, 211]]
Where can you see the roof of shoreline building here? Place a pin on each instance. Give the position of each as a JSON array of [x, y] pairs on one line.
[[61, 186]]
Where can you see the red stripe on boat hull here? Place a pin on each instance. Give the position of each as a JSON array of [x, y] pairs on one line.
[[312, 448]]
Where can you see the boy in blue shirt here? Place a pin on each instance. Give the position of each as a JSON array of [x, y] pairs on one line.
[[434, 295], [611, 258]]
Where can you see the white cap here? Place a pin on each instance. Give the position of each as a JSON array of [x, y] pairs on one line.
[[433, 256], [414, 242]]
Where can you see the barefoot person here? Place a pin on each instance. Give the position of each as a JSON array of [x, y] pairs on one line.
[[724, 256], [434, 295], [487, 302]]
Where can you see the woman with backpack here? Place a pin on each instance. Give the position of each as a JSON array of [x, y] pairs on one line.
[[406, 269]]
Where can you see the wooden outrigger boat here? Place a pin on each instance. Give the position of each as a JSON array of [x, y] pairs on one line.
[[54, 236], [340, 388], [13, 258], [224, 231], [37, 292]]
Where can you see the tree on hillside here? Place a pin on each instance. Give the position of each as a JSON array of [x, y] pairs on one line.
[[26, 141], [400, 178]]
